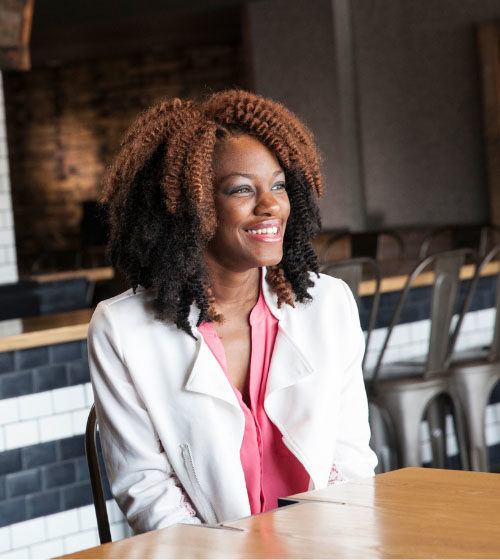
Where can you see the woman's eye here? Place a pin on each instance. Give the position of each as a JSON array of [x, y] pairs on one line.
[[279, 186], [240, 190]]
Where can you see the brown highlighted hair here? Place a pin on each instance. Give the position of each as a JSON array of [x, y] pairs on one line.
[[159, 193]]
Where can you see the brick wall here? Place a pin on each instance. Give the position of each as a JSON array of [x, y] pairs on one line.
[[64, 124], [8, 263]]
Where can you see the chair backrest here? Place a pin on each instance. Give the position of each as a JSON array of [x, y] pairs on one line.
[[366, 244], [446, 268], [387, 241], [494, 351], [353, 271], [342, 242], [479, 238], [95, 477]]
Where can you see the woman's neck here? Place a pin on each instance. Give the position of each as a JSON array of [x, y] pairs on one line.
[[234, 290]]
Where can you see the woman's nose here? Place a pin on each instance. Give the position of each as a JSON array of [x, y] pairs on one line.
[[266, 204]]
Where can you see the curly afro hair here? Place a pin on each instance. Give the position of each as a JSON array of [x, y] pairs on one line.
[[159, 195]]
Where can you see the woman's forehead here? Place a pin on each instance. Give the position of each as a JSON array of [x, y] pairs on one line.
[[242, 154]]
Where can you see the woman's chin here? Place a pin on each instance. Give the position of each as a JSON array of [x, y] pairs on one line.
[[271, 260]]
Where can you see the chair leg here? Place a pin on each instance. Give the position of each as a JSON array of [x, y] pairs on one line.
[[475, 426], [406, 415], [383, 439], [461, 433], [436, 417], [473, 389]]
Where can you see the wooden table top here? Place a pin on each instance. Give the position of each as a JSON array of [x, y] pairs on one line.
[[394, 279], [17, 334], [91, 274], [410, 513]]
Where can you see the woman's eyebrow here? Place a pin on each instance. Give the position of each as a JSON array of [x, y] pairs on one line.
[[249, 175]]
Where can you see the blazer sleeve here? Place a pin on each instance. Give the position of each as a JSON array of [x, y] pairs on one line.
[[354, 459], [140, 475]]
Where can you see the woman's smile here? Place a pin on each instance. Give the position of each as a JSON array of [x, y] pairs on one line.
[[267, 232]]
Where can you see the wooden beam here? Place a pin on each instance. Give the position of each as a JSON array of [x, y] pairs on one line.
[[15, 29], [489, 51]]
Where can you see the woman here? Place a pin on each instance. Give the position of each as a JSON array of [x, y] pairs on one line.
[[230, 374]]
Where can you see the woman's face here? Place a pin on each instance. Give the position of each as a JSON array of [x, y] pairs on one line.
[[251, 203]]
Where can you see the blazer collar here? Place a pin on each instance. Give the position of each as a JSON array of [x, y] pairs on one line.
[[207, 376], [270, 296], [288, 365]]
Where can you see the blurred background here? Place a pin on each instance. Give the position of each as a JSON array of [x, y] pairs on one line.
[[403, 99]]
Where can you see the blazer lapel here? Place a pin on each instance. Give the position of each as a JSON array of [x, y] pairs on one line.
[[288, 364], [207, 376]]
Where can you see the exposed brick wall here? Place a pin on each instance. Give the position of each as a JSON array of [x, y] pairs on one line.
[[64, 124]]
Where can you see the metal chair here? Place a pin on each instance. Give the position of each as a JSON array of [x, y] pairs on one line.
[[407, 392], [95, 478], [475, 379], [365, 244], [352, 271], [480, 238]]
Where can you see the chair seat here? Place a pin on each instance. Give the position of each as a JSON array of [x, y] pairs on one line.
[[479, 353], [413, 383], [402, 369]]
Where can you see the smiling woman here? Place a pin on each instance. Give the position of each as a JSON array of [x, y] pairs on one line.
[[214, 398]]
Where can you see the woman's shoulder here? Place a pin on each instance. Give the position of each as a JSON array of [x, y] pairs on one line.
[[123, 309], [331, 297], [329, 287]]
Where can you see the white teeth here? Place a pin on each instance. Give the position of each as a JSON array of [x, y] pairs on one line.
[[264, 231]]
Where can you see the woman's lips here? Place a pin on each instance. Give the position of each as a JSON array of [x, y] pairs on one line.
[[266, 235]]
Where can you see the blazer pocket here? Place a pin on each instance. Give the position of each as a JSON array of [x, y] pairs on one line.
[[202, 503]]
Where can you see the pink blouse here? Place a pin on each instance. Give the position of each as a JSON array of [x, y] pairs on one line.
[[271, 470]]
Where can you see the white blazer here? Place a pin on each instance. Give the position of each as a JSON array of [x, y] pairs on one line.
[[170, 424]]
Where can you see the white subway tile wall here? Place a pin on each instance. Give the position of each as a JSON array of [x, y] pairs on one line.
[[5, 539], [8, 261], [59, 533], [44, 424], [21, 434]]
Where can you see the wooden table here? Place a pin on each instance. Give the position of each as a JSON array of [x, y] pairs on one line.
[[410, 513], [17, 334], [393, 281], [96, 274]]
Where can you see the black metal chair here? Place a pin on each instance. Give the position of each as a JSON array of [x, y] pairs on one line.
[[95, 478], [407, 392]]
